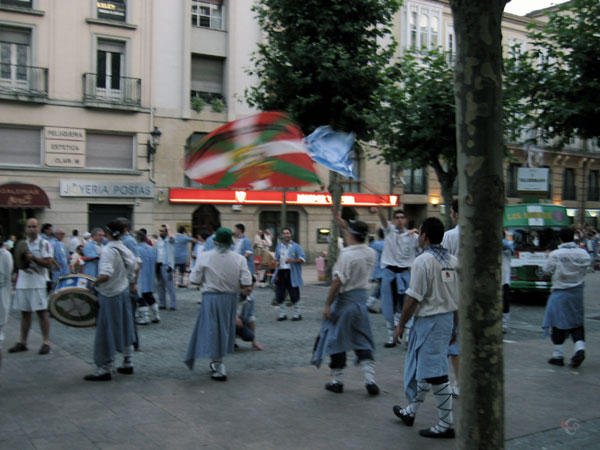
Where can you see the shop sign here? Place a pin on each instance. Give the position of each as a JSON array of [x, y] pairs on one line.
[[64, 147], [530, 179], [111, 10], [89, 188], [276, 198], [23, 196]]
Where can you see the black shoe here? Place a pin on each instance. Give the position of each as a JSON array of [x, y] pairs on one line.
[[556, 361], [372, 310], [125, 370], [162, 307], [389, 344], [281, 318], [44, 349], [372, 388], [172, 309], [95, 377], [577, 359], [448, 434], [338, 388], [217, 377], [18, 347], [407, 419], [296, 317]]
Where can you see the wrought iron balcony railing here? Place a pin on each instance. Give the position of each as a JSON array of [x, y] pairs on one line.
[[23, 81], [109, 91]]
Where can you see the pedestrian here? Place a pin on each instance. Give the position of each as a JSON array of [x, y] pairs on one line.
[[145, 282], [508, 249], [568, 265], [74, 241], [165, 268], [60, 265], [198, 248], [262, 249], [92, 252], [76, 264], [591, 245], [31, 291], [114, 324], [451, 242], [377, 245], [6, 269], [9, 244], [245, 326], [432, 300], [243, 246], [399, 251], [288, 275], [222, 274], [182, 254], [129, 241], [346, 324]]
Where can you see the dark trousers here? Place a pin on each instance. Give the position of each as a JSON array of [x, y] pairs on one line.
[[505, 298], [338, 360], [283, 283], [147, 299], [558, 336]]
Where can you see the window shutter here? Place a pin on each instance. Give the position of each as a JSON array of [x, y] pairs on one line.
[[109, 151], [20, 146]]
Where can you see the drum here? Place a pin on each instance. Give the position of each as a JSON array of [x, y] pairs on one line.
[[73, 302]]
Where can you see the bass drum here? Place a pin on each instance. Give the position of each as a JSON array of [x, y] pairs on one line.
[[73, 303]]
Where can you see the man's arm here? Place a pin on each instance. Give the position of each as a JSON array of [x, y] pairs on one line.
[[334, 290], [382, 218], [408, 310]]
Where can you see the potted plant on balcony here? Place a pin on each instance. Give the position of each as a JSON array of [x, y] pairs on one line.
[[197, 103], [217, 105]]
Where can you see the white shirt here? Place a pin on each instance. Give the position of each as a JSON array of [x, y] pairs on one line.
[[434, 286], [120, 265], [74, 242], [354, 267], [284, 251], [568, 265], [400, 248], [6, 267], [161, 254], [221, 272], [35, 276], [451, 240]]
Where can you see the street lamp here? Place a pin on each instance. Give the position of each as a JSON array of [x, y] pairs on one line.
[[151, 145]]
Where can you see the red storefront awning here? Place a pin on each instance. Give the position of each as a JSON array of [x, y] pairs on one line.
[[276, 198], [17, 195]]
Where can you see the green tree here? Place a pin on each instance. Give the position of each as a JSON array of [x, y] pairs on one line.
[[558, 77], [323, 63], [418, 127]]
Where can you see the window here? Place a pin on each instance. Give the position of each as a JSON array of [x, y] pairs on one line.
[[109, 68], [109, 151], [569, 189], [15, 51], [21, 3], [511, 180], [20, 146], [593, 192], [112, 10], [351, 184], [416, 181], [207, 77], [422, 25], [207, 14], [450, 42]]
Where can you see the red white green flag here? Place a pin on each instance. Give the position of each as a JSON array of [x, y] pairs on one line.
[[262, 151]]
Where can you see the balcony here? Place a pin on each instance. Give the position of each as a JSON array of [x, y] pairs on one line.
[[23, 83], [108, 92]]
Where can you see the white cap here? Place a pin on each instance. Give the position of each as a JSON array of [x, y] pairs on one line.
[[87, 234]]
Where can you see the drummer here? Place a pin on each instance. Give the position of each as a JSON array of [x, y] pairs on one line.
[[114, 327]]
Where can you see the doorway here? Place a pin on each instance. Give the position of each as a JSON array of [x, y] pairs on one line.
[[206, 219], [100, 215]]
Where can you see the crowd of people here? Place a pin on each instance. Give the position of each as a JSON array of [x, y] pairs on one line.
[[415, 274]]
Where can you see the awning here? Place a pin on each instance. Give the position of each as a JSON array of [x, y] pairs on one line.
[[23, 196]]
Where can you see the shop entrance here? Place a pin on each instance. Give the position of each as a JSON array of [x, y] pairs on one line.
[[205, 220], [100, 215], [13, 221]]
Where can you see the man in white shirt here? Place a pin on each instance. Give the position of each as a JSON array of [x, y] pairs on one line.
[[165, 268], [31, 294], [432, 300], [568, 265], [74, 241], [6, 268], [399, 251]]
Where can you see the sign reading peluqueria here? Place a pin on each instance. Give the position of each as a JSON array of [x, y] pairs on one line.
[[92, 188], [64, 147]]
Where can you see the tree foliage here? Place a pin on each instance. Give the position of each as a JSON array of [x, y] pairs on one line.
[[418, 127], [558, 78], [322, 61]]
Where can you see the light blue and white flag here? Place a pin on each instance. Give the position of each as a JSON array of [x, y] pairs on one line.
[[333, 149]]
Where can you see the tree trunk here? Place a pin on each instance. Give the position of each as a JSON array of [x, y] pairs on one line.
[[336, 191], [478, 90]]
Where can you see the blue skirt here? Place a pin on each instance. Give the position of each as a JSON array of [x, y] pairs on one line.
[[214, 332], [388, 307], [114, 327], [348, 329], [564, 309], [427, 354]]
